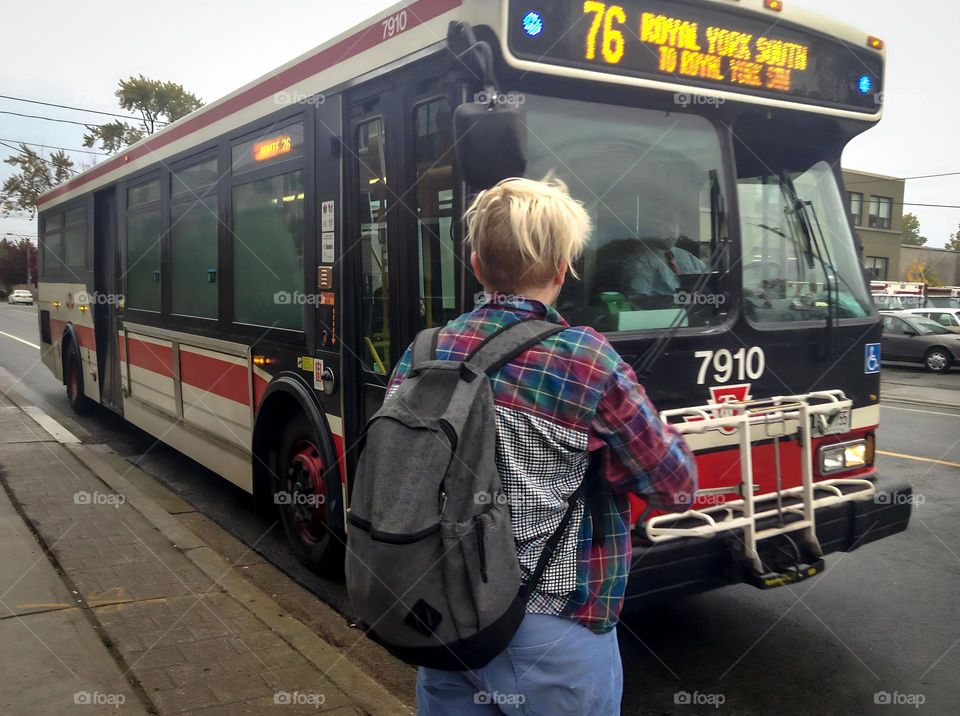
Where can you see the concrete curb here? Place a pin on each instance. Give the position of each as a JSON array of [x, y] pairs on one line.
[[369, 695], [918, 401]]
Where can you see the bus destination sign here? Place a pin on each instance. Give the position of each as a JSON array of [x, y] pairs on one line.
[[692, 43]]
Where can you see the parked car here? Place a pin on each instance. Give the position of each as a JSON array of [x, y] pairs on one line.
[[916, 339], [20, 296], [946, 317]]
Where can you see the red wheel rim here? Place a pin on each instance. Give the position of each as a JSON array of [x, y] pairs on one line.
[[306, 495]]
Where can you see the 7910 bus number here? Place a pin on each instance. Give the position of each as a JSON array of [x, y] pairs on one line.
[[744, 364]]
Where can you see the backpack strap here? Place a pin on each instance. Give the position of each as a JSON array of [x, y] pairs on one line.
[[552, 543], [424, 349], [510, 342]]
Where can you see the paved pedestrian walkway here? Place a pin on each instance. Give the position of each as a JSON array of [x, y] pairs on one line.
[[110, 605], [921, 387]]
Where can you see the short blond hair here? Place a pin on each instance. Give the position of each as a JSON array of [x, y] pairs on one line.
[[523, 231]]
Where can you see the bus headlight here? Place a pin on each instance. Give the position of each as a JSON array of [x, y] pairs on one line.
[[845, 456]]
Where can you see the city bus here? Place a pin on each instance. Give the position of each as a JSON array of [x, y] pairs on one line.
[[242, 283]]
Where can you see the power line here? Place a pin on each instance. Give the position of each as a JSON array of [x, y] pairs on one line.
[[882, 179], [45, 161], [932, 206], [77, 109], [52, 146], [49, 119]]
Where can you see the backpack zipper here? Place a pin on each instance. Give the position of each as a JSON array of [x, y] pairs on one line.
[[481, 549]]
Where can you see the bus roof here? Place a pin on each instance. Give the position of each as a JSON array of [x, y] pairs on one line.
[[363, 49]]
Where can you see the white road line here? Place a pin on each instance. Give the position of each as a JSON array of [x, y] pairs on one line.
[[26, 343], [913, 410]]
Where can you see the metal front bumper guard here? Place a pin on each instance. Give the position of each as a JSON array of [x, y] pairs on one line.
[[791, 510]]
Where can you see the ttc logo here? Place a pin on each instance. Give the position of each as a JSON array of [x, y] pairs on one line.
[[727, 394]]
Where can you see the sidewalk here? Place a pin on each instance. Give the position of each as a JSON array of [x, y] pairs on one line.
[[922, 388], [108, 604]]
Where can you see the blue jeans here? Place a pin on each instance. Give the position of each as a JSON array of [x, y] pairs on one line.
[[552, 667]]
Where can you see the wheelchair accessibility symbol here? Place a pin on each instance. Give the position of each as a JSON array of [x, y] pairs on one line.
[[872, 363]]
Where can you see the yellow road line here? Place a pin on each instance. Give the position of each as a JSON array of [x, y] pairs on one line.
[[901, 456]]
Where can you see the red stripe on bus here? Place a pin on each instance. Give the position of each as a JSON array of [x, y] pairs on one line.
[[220, 377], [85, 336], [151, 356], [420, 12], [341, 457]]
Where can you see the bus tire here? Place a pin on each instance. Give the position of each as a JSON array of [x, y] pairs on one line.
[[938, 360], [73, 380], [300, 494]]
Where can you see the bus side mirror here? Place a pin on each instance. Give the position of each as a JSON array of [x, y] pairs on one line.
[[491, 143], [490, 134]]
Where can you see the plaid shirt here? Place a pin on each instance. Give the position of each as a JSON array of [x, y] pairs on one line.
[[559, 404]]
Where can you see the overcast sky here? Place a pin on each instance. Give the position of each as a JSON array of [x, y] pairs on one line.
[[73, 53]]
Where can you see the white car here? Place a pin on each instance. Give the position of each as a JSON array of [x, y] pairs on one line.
[[20, 296], [946, 317]]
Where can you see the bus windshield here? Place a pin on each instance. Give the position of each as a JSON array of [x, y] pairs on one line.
[[798, 252], [649, 180]]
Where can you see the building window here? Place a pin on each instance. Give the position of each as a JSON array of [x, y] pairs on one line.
[[878, 266], [856, 208], [144, 254], [880, 212]]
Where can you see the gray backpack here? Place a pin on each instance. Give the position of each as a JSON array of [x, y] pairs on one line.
[[432, 566]]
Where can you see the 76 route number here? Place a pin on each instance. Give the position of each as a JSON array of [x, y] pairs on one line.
[[746, 363]]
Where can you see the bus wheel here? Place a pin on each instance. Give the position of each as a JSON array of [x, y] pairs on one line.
[[73, 378], [301, 495], [938, 360]]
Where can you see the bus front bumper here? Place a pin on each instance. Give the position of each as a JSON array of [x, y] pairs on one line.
[[689, 565]]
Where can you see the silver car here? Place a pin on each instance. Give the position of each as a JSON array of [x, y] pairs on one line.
[[946, 317], [915, 339], [20, 296]]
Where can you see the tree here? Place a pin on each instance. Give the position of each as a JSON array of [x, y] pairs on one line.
[[917, 272], [37, 175], [911, 231], [157, 103], [954, 243], [18, 261]]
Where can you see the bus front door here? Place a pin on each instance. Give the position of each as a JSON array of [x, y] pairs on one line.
[[402, 271], [106, 280]]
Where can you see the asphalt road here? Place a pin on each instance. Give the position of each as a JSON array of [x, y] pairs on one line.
[[882, 622]]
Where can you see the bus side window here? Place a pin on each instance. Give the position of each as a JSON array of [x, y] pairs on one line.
[[371, 151], [433, 151]]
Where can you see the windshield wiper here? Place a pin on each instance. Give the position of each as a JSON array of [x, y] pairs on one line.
[[814, 241]]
